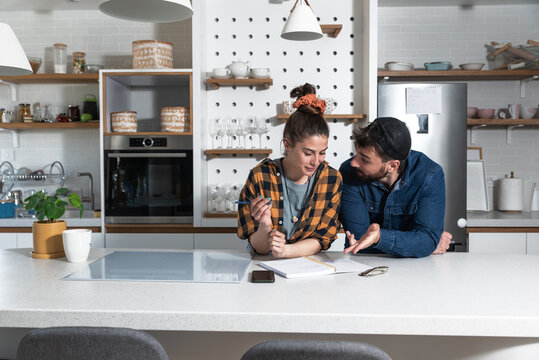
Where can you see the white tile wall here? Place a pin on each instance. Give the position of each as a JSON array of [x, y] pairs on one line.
[[459, 35], [106, 41]]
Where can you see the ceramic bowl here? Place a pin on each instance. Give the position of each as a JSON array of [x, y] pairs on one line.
[[472, 66], [471, 111], [398, 66], [438, 66], [528, 112], [485, 113]]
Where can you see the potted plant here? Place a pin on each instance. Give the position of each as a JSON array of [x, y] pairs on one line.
[[47, 234]]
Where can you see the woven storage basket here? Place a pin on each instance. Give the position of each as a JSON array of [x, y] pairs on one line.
[[152, 54], [124, 121], [175, 119]]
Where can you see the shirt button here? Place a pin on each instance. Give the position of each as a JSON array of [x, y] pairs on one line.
[[280, 222], [281, 198], [278, 174], [372, 207]]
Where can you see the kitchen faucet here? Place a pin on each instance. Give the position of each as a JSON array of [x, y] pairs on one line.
[[89, 198]]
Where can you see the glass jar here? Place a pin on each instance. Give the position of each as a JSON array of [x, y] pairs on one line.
[[73, 113], [79, 62], [60, 58], [24, 110]]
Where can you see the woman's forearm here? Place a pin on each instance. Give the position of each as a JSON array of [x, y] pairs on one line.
[[259, 240], [303, 247]]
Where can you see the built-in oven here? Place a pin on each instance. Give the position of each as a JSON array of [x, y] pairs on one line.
[[148, 179]]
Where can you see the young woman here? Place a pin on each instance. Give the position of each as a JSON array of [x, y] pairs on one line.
[[293, 202]]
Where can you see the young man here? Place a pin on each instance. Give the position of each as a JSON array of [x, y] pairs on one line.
[[393, 198]]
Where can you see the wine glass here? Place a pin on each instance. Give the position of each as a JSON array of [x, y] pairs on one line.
[[232, 131], [231, 195], [251, 129], [262, 128], [214, 196], [217, 132], [223, 189], [242, 132]]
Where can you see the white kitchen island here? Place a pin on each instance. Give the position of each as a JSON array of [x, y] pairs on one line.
[[450, 306]]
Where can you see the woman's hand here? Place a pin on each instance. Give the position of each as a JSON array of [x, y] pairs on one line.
[[277, 243], [261, 212]]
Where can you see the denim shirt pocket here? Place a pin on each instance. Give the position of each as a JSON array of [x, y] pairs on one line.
[[404, 210], [375, 210]]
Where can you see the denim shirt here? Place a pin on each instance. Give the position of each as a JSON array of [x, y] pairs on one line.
[[411, 216]]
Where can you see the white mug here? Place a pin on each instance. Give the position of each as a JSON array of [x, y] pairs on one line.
[[514, 110], [77, 244], [221, 72], [260, 71]]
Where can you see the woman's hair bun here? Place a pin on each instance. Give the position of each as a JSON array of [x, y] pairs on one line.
[[303, 90]]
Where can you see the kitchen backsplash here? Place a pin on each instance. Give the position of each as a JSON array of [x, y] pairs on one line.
[[459, 35]]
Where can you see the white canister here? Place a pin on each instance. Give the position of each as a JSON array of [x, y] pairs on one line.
[[510, 193], [124, 121], [175, 119]]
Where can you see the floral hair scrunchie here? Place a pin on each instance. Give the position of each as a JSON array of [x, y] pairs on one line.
[[310, 99]]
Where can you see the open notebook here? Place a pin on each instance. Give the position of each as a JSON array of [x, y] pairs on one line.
[[313, 266]]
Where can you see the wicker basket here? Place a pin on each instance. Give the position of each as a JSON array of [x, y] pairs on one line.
[[152, 54], [175, 119], [124, 121]]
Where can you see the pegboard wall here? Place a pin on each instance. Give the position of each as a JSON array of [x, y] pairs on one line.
[[247, 30]]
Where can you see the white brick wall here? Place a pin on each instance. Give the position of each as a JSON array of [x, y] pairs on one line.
[[459, 35], [106, 41]]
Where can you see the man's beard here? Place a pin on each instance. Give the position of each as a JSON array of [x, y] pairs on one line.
[[371, 178]]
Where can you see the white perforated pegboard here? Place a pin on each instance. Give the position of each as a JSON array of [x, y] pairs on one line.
[[249, 30]]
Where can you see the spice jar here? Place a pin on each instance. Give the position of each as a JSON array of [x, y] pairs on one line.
[[73, 113], [24, 110], [60, 58], [79, 62]]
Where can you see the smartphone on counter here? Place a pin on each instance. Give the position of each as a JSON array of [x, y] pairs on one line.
[[262, 276]]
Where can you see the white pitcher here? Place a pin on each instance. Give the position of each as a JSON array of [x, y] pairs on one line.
[[239, 69], [514, 110]]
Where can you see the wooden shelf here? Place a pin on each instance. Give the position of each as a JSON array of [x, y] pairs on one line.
[[216, 83], [147, 133], [352, 117], [457, 75], [502, 122], [332, 30], [53, 125], [221, 215], [211, 153], [53, 79]]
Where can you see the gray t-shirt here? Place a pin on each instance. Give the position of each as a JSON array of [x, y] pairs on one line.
[[295, 199]]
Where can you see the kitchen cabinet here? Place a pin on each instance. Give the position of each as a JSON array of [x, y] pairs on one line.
[[149, 241], [504, 242], [219, 242], [146, 92], [25, 240]]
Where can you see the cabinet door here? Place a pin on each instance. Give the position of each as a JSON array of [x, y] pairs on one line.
[[219, 242], [532, 244], [150, 241], [503, 243], [8, 240]]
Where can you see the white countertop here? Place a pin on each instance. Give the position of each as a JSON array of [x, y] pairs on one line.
[[456, 294], [72, 217], [502, 219]]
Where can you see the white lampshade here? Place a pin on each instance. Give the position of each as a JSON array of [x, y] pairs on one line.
[[302, 24], [13, 60], [155, 11]]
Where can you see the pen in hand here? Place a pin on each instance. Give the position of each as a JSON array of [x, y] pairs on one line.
[[248, 202]]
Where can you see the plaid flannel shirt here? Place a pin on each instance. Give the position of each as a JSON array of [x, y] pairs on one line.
[[319, 219]]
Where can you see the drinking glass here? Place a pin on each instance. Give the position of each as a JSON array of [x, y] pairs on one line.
[[222, 201], [262, 128], [217, 132], [251, 129], [231, 131], [230, 198], [213, 196], [242, 133]]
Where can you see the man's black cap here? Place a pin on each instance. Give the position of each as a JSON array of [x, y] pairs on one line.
[[392, 135]]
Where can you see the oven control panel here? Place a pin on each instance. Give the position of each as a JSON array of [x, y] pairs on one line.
[[147, 142]]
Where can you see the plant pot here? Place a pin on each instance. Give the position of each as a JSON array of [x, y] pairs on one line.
[[47, 238]]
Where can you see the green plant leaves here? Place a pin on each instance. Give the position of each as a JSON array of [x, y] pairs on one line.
[[51, 206]]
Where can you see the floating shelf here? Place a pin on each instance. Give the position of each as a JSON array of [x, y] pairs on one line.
[[457, 75], [221, 215], [332, 30], [352, 117], [235, 152], [216, 83], [502, 122], [53, 79], [47, 125], [147, 133]]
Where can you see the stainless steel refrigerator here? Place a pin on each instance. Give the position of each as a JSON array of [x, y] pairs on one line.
[[436, 117]]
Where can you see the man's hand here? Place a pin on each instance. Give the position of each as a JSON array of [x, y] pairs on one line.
[[372, 236], [444, 243], [277, 243]]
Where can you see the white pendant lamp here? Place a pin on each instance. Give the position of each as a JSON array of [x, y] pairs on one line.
[[13, 60], [302, 24], [154, 11]]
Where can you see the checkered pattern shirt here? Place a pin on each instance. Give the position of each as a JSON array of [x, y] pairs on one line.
[[319, 219]]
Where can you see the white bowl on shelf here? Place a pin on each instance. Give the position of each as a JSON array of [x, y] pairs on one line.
[[398, 66], [472, 66], [528, 112]]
